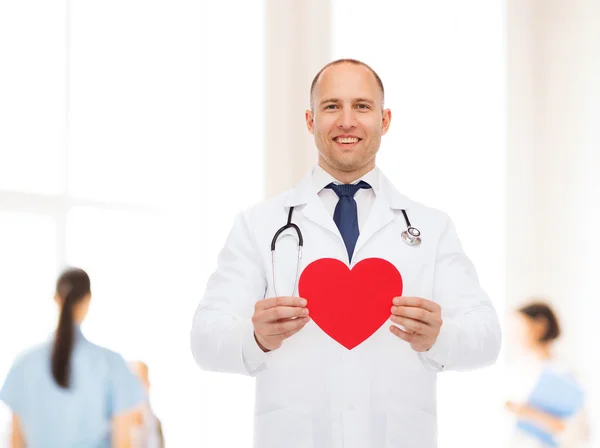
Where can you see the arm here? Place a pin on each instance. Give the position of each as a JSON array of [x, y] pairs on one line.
[[222, 335], [552, 423], [122, 428], [126, 399], [17, 439], [571, 431], [470, 336], [549, 422], [13, 394]]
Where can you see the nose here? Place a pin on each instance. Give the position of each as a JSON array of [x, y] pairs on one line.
[[347, 119]]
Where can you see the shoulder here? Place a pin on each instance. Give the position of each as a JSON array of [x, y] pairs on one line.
[[112, 357], [267, 207], [419, 214], [124, 385], [427, 212], [255, 219], [32, 356], [28, 368], [297, 195], [105, 359]]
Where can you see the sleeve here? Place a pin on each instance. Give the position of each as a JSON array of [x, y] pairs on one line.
[[470, 336], [126, 391], [222, 335], [13, 390]]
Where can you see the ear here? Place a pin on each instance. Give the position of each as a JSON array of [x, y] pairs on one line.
[[386, 120], [310, 122]]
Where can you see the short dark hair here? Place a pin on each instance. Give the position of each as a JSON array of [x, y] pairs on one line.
[[346, 61], [541, 310]]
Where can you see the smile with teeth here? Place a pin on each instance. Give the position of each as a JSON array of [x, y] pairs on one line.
[[346, 139]]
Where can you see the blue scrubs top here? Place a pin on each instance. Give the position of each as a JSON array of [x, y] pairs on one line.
[[101, 386]]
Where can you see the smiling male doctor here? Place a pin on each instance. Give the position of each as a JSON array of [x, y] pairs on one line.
[[314, 389]]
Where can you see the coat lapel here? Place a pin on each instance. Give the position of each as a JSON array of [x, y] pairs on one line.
[[387, 200], [310, 205]]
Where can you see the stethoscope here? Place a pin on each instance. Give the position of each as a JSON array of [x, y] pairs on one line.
[[411, 236]]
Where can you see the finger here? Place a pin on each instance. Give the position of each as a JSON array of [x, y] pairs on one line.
[[290, 333], [282, 313], [279, 328], [417, 302], [272, 302], [411, 325], [285, 320], [412, 312], [408, 337]]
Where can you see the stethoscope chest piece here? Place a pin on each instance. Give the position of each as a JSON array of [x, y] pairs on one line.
[[411, 236]]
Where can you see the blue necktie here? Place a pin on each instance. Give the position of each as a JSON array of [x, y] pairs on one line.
[[345, 214]]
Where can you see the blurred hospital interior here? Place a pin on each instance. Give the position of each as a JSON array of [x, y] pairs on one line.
[[132, 132]]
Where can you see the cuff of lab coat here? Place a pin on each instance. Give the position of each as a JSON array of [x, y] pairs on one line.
[[437, 357], [254, 358]]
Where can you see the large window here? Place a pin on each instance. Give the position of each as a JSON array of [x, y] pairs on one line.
[[126, 131], [443, 64]]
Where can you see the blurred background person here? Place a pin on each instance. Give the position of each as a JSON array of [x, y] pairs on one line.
[[561, 421], [147, 429], [69, 392]]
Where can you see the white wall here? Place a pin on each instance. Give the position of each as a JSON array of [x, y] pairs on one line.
[[298, 44]]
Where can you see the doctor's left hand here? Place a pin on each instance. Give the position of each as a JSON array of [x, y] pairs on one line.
[[421, 320]]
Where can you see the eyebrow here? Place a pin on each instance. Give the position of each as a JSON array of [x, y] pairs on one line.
[[357, 100]]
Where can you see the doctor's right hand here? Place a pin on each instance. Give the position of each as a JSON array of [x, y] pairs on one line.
[[276, 319]]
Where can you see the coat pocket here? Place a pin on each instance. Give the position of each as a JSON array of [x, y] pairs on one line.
[[281, 428], [410, 428]]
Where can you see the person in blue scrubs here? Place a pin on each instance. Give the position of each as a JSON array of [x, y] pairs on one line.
[[537, 329], [69, 392]]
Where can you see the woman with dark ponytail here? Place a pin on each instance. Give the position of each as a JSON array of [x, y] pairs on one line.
[[68, 392], [72, 293]]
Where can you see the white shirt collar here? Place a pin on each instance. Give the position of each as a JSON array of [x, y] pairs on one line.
[[322, 178]]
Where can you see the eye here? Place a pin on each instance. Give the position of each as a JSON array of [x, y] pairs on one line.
[[329, 106], [362, 106]]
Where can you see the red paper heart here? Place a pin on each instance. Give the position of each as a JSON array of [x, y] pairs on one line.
[[350, 305]]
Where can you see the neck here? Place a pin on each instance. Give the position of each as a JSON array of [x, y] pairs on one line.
[[543, 352], [346, 177]]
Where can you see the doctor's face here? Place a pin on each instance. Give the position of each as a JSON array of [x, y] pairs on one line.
[[347, 120]]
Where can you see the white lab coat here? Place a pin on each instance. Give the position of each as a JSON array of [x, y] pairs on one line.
[[312, 392]]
